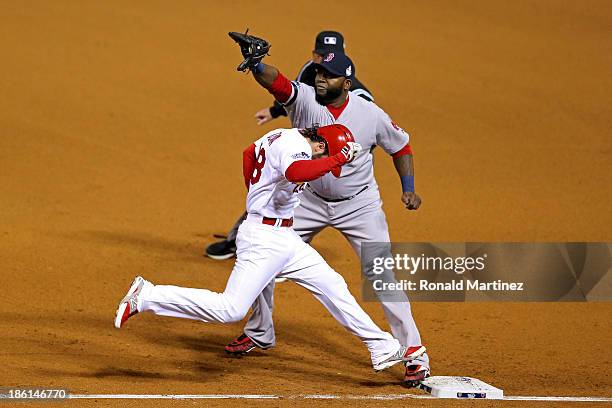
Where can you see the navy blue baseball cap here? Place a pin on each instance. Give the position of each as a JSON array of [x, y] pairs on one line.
[[329, 41], [337, 64]]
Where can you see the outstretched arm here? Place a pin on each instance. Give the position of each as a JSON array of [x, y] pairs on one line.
[[265, 74], [405, 169], [275, 82]]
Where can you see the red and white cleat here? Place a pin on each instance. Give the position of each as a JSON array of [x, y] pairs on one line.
[[127, 307], [404, 354], [414, 375], [242, 345]]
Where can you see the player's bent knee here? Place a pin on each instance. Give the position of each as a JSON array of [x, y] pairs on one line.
[[234, 315]]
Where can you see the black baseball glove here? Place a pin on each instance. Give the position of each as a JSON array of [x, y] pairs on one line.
[[253, 49]]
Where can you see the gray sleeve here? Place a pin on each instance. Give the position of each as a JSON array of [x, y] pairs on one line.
[[389, 135], [298, 102]]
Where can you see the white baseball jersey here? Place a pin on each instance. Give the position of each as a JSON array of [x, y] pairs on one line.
[[370, 126], [270, 193]]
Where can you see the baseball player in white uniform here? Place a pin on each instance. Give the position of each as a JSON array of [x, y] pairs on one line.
[[275, 169], [350, 203]]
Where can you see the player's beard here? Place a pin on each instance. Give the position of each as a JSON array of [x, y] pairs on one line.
[[331, 95]]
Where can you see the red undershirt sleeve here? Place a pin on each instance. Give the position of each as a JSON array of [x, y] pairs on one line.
[[403, 151], [308, 170], [248, 164], [281, 88]]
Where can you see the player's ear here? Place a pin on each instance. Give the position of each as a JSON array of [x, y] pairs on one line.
[[347, 84], [321, 147]]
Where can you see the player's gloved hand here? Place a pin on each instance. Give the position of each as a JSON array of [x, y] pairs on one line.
[[411, 200], [350, 151], [253, 49], [263, 116]]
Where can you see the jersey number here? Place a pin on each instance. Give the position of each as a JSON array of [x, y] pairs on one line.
[[260, 160], [299, 188]]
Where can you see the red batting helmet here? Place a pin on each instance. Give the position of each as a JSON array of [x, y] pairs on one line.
[[336, 136]]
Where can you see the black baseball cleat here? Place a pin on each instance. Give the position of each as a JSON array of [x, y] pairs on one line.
[[221, 250]]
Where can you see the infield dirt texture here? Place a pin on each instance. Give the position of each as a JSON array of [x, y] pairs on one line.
[[121, 131]]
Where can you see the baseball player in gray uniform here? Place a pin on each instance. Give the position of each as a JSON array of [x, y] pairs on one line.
[[349, 201], [325, 42]]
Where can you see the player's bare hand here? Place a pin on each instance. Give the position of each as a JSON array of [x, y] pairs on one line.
[[411, 200], [263, 116]]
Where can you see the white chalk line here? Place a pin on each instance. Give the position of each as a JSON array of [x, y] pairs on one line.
[[319, 396]]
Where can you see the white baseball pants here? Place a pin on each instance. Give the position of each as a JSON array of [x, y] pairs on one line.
[[265, 252]]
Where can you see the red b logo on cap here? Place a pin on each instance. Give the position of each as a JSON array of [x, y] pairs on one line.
[[329, 57]]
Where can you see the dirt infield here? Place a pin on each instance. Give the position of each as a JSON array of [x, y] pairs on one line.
[[121, 131]]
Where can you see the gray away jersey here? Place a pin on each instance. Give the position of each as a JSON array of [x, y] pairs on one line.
[[368, 123]]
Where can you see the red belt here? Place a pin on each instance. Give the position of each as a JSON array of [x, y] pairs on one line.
[[284, 222]]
